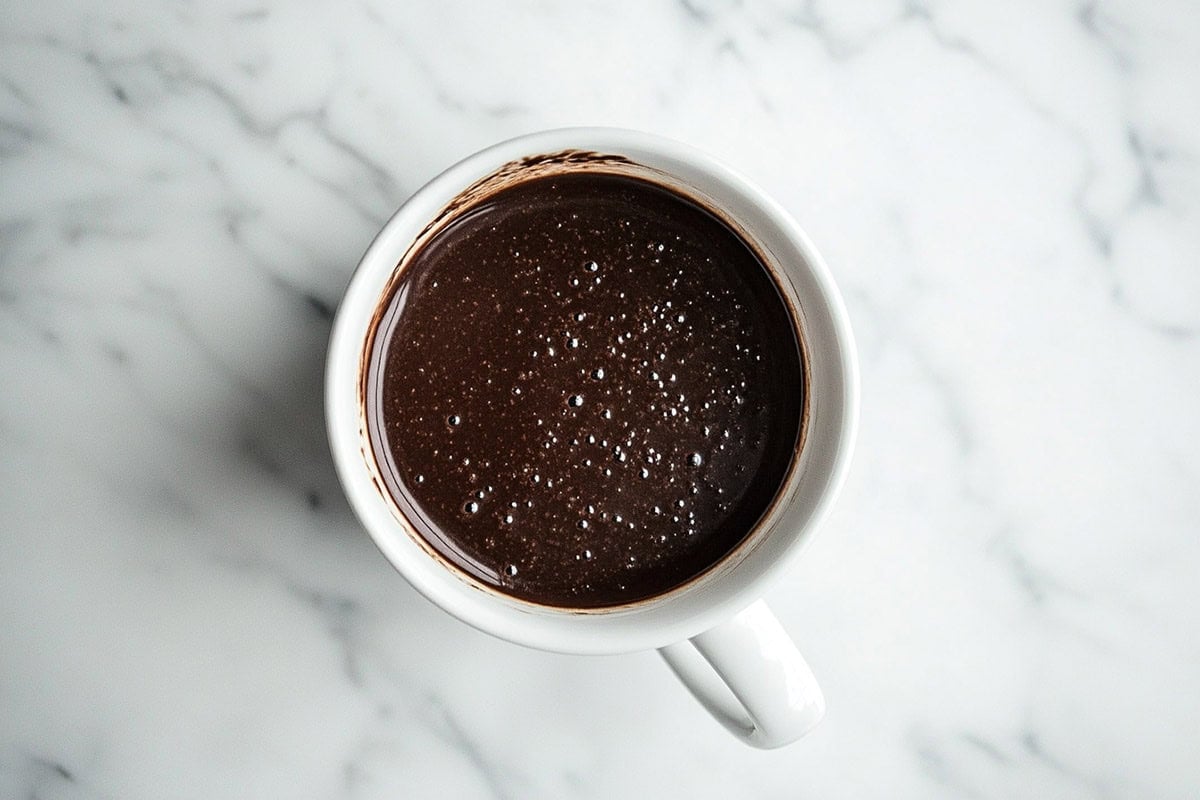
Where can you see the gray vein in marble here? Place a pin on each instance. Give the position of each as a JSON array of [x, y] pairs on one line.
[[162, 302], [731, 47], [180, 77], [1032, 745], [1047, 593], [43, 776], [373, 218], [308, 299], [83, 227], [440, 88], [165, 302], [381, 178], [959, 44], [455, 735], [934, 763], [307, 470], [1095, 23], [692, 10], [340, 615], [313, 498], [953, 408], [1097, 230], [353, 775], [1121, 299], [948, 760], [1038, 584], [807, 18], [252, 15], [156, 497], [987, 748], [52, 767], [11, 231], [1146, 155], [17, 92], [1107, 30], [14, 137], [40, 328], [1100, 232], [114, 353], [269, 428]]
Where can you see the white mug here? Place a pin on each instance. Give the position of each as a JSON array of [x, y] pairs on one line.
[[715, 632]]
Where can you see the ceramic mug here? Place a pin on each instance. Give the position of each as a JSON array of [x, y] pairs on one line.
[[715, 632]]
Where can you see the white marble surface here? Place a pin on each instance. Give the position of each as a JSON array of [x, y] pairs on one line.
[[1005, 603]]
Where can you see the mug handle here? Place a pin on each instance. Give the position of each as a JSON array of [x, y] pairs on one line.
[[748, 673]]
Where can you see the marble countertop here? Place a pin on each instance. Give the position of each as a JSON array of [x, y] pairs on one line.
[[1005, 602]]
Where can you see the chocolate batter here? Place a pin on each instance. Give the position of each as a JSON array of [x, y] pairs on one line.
[[589, 387]]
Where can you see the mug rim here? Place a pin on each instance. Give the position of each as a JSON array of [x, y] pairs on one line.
[[819, 466]]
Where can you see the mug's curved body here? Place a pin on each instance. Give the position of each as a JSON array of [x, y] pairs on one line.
[[713, 630]]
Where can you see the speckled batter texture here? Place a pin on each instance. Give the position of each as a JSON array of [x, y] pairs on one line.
[[590, 388]]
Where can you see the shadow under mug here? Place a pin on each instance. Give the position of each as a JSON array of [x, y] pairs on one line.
[[714, 631]]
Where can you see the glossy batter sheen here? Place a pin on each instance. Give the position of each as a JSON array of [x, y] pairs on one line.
[[590, 390]]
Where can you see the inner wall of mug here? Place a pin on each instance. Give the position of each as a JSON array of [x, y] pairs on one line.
[[403, 507], [830, 403]]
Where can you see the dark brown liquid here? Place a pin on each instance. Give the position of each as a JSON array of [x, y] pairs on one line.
[[587, 388]]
